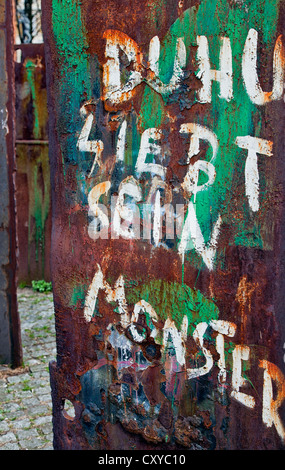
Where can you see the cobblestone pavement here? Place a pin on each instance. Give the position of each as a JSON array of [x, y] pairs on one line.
[[25, 395]]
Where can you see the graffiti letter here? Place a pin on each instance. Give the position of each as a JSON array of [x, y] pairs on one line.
[[198, 337], [112, 295], [128, 212], [240, 353], [190, 183], [143, 307], [270, 414], [148, 146], [98, 211], [254, 146], [192, 228], [113, 88], [179, 64], [85, 145], [120, 153], [159, 212], [162, 212], [249, 70], [207, 75], [224, 328], [178, 338]]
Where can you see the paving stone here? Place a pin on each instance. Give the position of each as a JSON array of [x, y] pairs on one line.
[[12, 416], [32, 444], [32, 362], [26, 405], [4, 427], [46, 429], [25, 434], [30, 401], [10, 446], [18, 378], [8, 437], [12, 407], [40, 410], [42, 420], [47, 447], [21, 424], [45, 398]]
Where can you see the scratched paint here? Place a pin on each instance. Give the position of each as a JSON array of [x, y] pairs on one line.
[[167, 208]]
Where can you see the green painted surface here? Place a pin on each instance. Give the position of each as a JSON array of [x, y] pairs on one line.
[[74, 80], [33, 162], [41, 207], [38, 186], [174, 300], [226, 119], [30, 69], [80, 80]]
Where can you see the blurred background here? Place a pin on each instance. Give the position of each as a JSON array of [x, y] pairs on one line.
[[32, 178]]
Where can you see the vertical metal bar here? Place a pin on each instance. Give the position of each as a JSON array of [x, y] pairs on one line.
[[10, 341]]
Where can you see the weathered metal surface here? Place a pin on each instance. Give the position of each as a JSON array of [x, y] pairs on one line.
[[167, 340], [33, 174], [10, 337]]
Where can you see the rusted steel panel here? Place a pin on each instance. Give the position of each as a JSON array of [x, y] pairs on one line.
[[10, 337], [170, 332], [33, 174]]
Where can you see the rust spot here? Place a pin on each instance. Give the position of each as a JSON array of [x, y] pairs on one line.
[[244, 297], [165, 416]]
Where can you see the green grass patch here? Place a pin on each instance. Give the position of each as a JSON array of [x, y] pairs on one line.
[[42, 286]]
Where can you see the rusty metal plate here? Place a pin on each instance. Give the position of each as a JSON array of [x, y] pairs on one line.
[[167, 143], [33, 175]]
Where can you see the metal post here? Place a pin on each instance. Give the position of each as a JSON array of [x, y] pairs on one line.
[[10, 337], [166, 150]]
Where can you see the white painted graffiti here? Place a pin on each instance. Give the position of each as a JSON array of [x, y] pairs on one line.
[[130, 215], [125, 220], [224, 329], [117, 92]]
